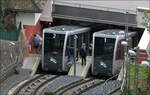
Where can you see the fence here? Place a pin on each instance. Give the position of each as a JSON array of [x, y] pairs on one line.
[[138, 76], [10, 56], [10, 35]]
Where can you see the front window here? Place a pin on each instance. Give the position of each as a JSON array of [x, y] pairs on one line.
[[103, 55], [53, 47], [104, 47]]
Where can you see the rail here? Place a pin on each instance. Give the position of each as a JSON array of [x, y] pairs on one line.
[[78, 87], [32, 85]]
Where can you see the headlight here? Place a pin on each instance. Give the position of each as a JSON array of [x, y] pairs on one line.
[[102, 64], [53, 60]]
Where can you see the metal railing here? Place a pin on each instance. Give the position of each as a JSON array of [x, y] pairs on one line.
[[138, 76], [11, 57]]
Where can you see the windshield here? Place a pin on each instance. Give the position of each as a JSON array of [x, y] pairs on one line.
[[53, 47], [104, 47], [103, 55]]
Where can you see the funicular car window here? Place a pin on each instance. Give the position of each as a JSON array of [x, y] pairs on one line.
[[104, 47], [54, 43], [53, 48]]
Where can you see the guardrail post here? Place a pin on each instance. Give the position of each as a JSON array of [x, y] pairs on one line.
[[75, 49]]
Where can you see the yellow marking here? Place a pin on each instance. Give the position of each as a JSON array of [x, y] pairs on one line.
[[35, 64], [80, 60], [85, 68], [11, 55], [72, 68], [122, 74]]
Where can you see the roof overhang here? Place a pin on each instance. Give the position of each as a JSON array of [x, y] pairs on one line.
[[24, 10], [93, 15]]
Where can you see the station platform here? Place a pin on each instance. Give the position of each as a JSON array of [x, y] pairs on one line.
[[31, 63], [81, 71]]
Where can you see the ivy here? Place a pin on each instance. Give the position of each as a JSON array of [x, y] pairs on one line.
[[3, 4], [146, 20]]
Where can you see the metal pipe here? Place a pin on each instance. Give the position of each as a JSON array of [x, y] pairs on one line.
[[126, 51], [75, 49]]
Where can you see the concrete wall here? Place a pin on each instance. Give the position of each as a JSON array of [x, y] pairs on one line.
[[37, 16], [145, 40], [118, 6], [47, 11], [101, 4], [140, 15], [27, 18], [139, 19]]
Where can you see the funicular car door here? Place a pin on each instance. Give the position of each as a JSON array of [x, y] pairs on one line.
[[53, 50], [69, 52], [103, 55]]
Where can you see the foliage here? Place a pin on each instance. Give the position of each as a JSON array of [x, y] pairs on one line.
[[3, 4], [142, 79], [143, 71], [146, 19]]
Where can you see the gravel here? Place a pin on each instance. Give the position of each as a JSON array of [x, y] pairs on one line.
[[10, 82]]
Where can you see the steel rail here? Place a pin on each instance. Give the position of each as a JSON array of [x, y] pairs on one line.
[[32, 87], [42, 84], [70, 86], [17, 91], [87, 86]]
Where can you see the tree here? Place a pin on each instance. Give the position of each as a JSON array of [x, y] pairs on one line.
[[146, 18], [3, 4]]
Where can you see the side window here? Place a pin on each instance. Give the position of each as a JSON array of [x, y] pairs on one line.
[[79, 41], [70, 43], [69, 52], [119, 51]]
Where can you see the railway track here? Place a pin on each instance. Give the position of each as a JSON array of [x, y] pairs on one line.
[[77, 90], [76, 87], [32, 85], [65, 89], [108, 88], [83, 86], [35, 86]]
